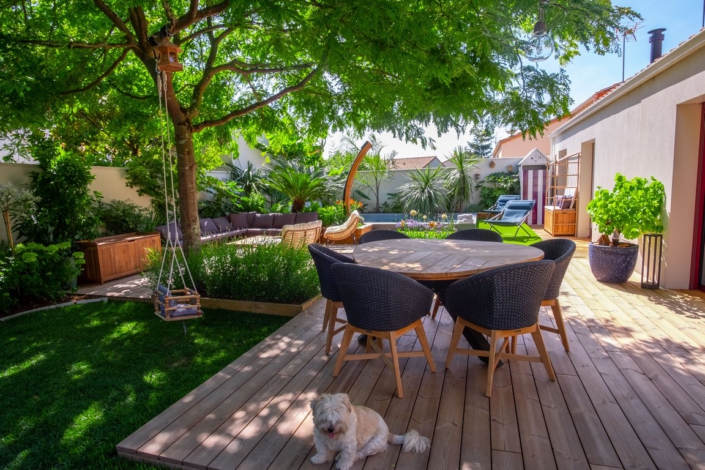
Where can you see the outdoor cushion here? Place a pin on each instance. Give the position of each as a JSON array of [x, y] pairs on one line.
[[181, 309], [207, 226], [566, 202], [280, 220], [263, 221], [174, 230], [222, 224], [238, 220], [251, 218], [253, 232], [305, 217]]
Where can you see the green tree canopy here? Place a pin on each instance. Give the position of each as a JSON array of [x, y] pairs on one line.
[[86, 70]]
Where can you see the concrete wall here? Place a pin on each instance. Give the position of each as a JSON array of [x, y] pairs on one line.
[[653, 130], [111, 182], [401, 177]]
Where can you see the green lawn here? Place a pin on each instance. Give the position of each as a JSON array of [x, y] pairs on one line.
[[76, 381], [508, 234]]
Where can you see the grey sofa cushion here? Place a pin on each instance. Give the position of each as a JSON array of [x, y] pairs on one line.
[[263, 221], [305, 217], [222, 224], [207, 226], [175, 232], [239, 220], [251, 218], [281, 220]]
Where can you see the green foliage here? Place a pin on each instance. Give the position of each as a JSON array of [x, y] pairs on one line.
[[632, 208], [393, 203], [497, 184], [78, 380], [14, 204], [260, 273], [459, 179], [37, 272], [224, 199], [482, 141], [249, 178], [120, 217], [299, 182], [255, 202], [424, 192], [332, 215], [66, 208]]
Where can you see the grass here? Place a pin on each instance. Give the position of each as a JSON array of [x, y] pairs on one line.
[[508, 234], [76, 381]]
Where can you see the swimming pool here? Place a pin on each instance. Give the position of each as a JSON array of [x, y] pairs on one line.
[[389, 218]]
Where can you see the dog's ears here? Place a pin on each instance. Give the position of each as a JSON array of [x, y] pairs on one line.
[[346, 401], [315, 403]]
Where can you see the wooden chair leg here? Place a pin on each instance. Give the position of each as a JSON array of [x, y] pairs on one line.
[[558, 315], [347, 337], [424, 345], [538, 341], [457, 331], [435, 306], [514, 345], [395, 362], [326, 314], [368, 345], [380, 344], [332, 316], [491, 364]]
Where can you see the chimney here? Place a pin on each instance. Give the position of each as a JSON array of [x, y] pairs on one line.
[[656, 41]]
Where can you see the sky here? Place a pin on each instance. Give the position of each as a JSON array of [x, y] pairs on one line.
[[588, 72]]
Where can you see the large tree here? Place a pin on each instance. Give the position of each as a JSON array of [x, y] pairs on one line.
[[283, 65]]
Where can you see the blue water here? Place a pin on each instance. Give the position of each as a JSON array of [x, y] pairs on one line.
[[382, 217]]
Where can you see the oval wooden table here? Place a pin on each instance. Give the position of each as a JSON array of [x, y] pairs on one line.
[[441, 260]]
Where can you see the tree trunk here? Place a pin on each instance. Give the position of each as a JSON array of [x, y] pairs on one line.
[[188, 192], [297, 205]]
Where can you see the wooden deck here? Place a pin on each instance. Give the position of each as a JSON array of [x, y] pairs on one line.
[[629, 394]]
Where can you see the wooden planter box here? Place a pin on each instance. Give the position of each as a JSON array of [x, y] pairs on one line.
[[113, 257], [266, 308], [361, 230], [559, 221]]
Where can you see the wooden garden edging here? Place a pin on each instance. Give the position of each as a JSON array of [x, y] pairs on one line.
[[266, 308]]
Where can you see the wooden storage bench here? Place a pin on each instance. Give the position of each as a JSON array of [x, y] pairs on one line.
[[559, 221], [113, 257]]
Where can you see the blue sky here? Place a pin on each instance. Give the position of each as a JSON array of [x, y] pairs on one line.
[[591, 72]]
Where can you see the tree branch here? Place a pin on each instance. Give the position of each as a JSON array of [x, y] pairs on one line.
[[194, 15], [78, 45], [100, 77], [257, 105], [115, 19], [169, 12], [195, 34]]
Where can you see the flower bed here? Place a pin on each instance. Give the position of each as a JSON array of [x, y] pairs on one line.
[[415, 226]]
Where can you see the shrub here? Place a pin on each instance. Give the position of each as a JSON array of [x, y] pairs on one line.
[[225, 199], [126, 217], [37, 272], [497, 184], [259, 273]]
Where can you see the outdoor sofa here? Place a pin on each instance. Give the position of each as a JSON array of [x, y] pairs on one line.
[[243, 224]]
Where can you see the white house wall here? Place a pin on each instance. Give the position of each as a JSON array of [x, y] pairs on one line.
[[651, 131]]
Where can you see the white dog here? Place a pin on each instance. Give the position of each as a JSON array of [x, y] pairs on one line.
[[354, 431]]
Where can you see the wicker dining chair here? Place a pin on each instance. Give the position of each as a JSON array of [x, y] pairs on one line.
[[324, 258], [471, 234], [379, 235], [383, 305], [559, 250], [501, 303]]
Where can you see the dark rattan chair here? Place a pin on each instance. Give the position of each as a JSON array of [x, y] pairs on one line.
[[378, 235], [501, 303], [382, 304], [324, 258], [472, 234], [559, 250], [476, 234]]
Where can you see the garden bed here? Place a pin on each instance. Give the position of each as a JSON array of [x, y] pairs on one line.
[[266, 308]]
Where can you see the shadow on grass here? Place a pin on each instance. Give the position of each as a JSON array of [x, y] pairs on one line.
[[76, 381]]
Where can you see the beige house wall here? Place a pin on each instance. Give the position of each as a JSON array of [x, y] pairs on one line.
[[652, 130], [519, 147], [111, 182]]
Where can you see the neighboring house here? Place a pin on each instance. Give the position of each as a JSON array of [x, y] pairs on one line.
[[515, 145], [651, 125], [415, 163]]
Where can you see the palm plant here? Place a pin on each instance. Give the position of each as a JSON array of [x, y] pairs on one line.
[[377, 168], [459, 178], [249, 178], [298, 182], [424, 192]]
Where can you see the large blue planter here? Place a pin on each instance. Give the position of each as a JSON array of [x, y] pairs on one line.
[[612, 264]]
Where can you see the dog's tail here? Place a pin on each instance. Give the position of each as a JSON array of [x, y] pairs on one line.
[[412, 440]]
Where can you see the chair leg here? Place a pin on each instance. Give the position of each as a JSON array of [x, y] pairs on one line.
[[326, 314], [491, 363], [538, 341], [514, 345], [424, 345], [525, 231], [435, 306], [395, 362], [457, 331], [347, 337], [558, 315], [332, 316]]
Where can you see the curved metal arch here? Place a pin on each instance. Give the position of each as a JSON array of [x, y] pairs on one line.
[[351, 176]]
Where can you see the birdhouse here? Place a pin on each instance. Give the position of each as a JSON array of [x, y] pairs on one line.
[[168, 57]]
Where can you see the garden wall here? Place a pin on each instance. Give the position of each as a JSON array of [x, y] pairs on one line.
[[109, 181], [401, 177]]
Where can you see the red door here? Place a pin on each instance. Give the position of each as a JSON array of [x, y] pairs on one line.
[[698, 264]]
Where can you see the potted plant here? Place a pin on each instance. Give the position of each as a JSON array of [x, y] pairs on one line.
[[631, 209]]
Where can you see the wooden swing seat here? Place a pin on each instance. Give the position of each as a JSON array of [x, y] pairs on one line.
[[177, 304]]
